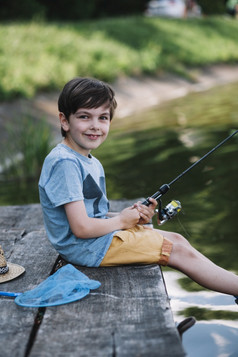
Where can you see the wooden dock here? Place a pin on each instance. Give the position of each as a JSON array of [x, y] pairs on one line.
[[129, 315]]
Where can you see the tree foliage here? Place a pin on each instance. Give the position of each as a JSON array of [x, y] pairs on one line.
[[85, 9], [212, 7], [68, 9]]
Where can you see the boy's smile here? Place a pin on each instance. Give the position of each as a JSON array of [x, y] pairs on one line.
[[86, 129]]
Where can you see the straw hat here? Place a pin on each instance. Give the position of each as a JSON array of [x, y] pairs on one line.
[[8, 271]]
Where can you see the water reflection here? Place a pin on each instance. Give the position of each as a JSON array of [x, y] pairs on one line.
[[213, 337]]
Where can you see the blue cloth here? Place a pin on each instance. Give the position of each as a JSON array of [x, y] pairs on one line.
[[68, 176]]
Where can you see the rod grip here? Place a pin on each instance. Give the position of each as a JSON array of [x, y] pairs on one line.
[[162, 190]]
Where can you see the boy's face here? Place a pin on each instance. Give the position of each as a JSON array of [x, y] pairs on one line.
[[86, 129]]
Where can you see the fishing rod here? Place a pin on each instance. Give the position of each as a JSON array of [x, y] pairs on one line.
[[175, 206]]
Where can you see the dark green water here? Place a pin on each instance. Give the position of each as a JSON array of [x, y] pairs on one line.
[[145, 151]]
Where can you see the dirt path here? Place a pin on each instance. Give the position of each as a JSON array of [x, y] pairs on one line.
[[133, 94]]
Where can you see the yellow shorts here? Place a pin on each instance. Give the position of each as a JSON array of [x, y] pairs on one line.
[[138, 245]]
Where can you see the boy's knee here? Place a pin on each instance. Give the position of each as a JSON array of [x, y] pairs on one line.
[[179, 239], [183, 251], [183, 257]]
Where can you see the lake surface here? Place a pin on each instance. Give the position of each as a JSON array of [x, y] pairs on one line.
[[152, 148]]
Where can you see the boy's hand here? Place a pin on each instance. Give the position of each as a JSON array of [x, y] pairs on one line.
[[146, 212], [129, 217]]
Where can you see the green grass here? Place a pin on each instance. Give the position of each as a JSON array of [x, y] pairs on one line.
[[38, 56], [25, 149]]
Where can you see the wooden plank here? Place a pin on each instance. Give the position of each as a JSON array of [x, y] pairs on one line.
[[28, 217], [24, 241], [129, 315]]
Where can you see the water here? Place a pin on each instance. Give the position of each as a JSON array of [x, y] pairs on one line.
[[215, 335], [156, 148], [145, 151], [17, 192]]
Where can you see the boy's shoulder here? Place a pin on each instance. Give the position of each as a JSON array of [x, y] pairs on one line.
[[59, 155], [59, 152], [59, 161]]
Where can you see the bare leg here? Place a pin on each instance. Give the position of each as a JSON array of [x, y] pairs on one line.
[[188, 260]]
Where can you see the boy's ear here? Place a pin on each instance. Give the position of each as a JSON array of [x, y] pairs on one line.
[[64, 122]]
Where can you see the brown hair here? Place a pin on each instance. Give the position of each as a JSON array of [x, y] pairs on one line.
[[85, 93]]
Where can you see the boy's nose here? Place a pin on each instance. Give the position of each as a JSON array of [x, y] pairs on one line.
[[95, 124]]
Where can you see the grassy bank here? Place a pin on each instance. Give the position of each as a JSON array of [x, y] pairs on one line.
[[41, 56]]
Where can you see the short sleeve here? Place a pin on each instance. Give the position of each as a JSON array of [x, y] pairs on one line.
[[65, 183]]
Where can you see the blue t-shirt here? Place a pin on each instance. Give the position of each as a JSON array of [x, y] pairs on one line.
[[67, 176]]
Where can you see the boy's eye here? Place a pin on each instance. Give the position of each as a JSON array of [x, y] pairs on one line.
[[83, 116], [104, 117]]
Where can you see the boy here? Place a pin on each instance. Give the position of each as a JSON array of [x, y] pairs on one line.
[[75, 206]]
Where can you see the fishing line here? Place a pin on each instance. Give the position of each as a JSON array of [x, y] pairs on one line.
[[202, 158], [183, 228]]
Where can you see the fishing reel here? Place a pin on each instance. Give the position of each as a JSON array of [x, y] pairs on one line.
[[168, 212], [175, 206]]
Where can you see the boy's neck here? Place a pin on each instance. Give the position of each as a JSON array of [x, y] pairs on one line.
[[68, 143]]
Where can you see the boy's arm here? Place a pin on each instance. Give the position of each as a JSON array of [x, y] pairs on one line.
[[112, 214], [83, 226]]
